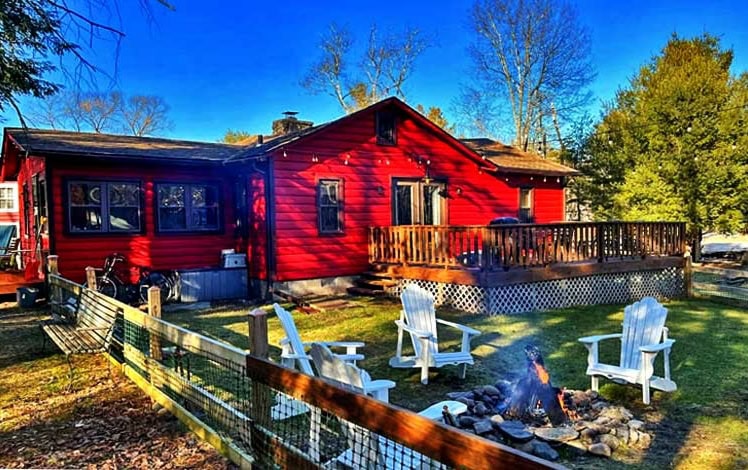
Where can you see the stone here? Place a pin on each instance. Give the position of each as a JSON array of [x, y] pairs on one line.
[[544, 451], [557, 434], [480, 409], [636, 424], [496, 420], [467, 401], [491, 391], [617, 413], [580, 425], [599, 405], [600, 449], [483, 426], [155, 406], [515, 430], [456, 395], [622, 432], [466, 421], [588, 435], [633, 436], [644, 439], [577, 447], [162, 412], [610, 441], [593, 395]]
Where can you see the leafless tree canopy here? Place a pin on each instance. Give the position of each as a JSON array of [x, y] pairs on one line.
[[111, 112], [533, 55], [145, 115], [383, 69]]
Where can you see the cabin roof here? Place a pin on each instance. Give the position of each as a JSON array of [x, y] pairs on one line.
[[45, 141], [513, 160]]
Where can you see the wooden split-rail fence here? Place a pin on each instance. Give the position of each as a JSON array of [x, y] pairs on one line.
[[229, 397]]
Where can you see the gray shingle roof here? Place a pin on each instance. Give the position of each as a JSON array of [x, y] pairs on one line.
[[45, 141], [513, 160]]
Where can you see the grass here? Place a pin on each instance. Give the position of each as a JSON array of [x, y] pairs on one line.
[[703, 424], [94, 417]]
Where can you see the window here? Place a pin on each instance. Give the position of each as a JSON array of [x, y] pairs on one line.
[[525, 205], [8, 198], [98, 206], [329, 206], [187, 207], [386, 129]]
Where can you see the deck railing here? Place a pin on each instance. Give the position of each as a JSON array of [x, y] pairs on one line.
[[523, 245]]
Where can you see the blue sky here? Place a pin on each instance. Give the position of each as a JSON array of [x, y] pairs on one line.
[[237, 64]]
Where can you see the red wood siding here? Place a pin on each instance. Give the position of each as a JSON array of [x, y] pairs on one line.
[[155, 250], [302, 253], [257, 247], [33, 250]]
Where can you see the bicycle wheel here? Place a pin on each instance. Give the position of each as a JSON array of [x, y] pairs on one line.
[[158, 280], [106, 286]]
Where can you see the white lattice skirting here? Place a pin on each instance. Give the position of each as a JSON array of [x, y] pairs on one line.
[[547, 295]]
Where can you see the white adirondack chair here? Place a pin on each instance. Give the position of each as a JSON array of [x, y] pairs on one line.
[[418, 318], [366, 449], [644, 335], [294, 356]]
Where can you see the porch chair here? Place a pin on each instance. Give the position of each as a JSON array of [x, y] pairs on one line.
[[644, 335], [294, 356], [365, 448], [418, 318], [10, 254]]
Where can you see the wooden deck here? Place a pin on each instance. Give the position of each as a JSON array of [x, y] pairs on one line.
[[521, 253], [476, 277]]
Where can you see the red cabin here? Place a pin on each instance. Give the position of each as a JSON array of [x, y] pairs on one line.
[[298, 203]]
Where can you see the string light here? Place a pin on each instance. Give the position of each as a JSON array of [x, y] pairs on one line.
[[544, 179], [285, 155]]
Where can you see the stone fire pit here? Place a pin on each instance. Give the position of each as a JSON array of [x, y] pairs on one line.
[[595, 426]]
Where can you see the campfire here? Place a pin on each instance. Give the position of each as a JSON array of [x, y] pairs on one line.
[[529, 413], [534, 395]]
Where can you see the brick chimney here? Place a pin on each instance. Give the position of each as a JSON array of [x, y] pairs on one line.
[[289, 124]]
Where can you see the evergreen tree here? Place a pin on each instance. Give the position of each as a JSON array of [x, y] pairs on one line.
[[674, 144]]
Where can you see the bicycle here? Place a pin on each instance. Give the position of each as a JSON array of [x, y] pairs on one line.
[[111, 284]]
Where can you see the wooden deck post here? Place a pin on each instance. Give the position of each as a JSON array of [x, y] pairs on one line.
[[53, 266], [91, 278], [688, 274], [261, 397], [154, 310]]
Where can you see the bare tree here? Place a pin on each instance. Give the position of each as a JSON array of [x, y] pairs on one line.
[[144, 115], [34, 33], [99, 110], [534, 55], [383, 69]]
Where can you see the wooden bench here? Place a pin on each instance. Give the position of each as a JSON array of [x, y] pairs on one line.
[[82, 323]]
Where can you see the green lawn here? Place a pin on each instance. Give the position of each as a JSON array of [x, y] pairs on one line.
[[704, 424]]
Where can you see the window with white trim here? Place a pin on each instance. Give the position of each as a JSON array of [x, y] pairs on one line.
[[9, 197], [104, 206], [187, 207], [330, 206]]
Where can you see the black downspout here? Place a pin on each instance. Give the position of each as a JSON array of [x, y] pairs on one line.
[[270, 226]]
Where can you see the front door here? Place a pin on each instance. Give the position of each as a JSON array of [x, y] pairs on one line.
[[418, 203]]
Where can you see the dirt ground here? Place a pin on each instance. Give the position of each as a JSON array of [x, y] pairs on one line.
[[92, 418]]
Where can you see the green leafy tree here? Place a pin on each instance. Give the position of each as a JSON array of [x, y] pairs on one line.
[[674, 144]]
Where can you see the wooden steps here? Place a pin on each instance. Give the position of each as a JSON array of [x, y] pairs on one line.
[[373, 283]]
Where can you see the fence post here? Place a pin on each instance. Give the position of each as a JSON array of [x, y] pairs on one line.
[[154, 310], [261, 397], [91, 278], [52, 264], [258, 333], [600, 243], [688, 274]]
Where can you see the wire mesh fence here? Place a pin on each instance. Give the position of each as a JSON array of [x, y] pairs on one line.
[[269, 416], [731, 284]]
